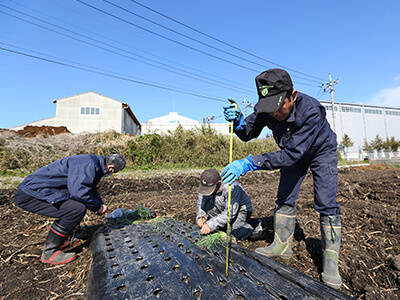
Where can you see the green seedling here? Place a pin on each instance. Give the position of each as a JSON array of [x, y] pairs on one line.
[[143, 212], [157, 221], [210, 241]]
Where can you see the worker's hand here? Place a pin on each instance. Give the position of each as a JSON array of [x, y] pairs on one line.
[[237, 168], [103, 209], [205, 229], [231, 113], [232, 172], [200, 221]]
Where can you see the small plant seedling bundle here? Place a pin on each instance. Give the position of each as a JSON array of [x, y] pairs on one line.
[[212, 240]]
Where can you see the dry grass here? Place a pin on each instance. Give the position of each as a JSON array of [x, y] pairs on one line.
[[25, 154]]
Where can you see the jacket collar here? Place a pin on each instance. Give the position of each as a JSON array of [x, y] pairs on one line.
[[292, 114]]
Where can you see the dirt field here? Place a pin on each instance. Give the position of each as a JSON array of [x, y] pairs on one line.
[[369, 197]]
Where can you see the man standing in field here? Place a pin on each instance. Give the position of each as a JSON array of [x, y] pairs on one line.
[[65, 189], [302, 132], [212, 207]]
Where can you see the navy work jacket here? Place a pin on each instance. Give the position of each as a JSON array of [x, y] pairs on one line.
[[74, 177], [303, 135]]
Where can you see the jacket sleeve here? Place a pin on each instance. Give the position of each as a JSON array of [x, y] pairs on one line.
[[239, 198], [253, 126], [201, 213], [82, 187], [294, 145]]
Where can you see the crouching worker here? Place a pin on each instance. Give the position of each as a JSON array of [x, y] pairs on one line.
[[64, 190], [212, 207]]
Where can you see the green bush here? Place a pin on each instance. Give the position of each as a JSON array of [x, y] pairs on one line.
[[195, 148]]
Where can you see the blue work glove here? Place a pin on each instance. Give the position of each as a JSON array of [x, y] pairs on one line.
[[231, 113], [237, 168]]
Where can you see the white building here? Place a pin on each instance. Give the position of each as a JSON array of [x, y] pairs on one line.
[[171, 121], [362, 123], [91, 112]]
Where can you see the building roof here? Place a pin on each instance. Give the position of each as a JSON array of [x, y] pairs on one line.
[[327, 102], [173, 118], [90, 92], [128, 109]]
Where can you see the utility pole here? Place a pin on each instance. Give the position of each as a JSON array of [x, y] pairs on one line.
[[328, 86], [246, 104], [210, 118]]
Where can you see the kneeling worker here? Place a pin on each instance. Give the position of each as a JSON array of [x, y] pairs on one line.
[[65, 189], [212, 207]]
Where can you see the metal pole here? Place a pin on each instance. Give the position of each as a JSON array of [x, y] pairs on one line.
[[329, 86], [228, 229], [333, 103], [245, 105]]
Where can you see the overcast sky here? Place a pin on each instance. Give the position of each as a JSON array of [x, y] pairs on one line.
[[161, 56]]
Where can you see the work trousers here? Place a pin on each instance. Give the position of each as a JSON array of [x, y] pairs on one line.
[[69, 212], [323, 167], [242, 226]]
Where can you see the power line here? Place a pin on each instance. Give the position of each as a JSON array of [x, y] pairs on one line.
[[181, 91], [102, 43], [198, 78], [220, 41], [169, 39], [129, 46], [107, 73], [193, 39], [164, 37]]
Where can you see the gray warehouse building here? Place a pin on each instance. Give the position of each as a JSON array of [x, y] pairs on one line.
[[362, 123]]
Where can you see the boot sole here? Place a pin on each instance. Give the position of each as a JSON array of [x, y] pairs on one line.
[[58, 263], [283, 256], [336, 286]]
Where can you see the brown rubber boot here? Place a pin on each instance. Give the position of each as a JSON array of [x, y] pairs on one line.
[[330, 238], [52, 253], [284, 224]]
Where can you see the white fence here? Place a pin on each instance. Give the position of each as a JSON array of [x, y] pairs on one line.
[[371, 155]]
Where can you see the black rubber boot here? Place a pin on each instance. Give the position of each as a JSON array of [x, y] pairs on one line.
[[52, 253], [284, 224], [330, 238]]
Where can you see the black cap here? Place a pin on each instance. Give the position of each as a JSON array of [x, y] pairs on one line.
[[272, 86], [117, 160], [208, 181]]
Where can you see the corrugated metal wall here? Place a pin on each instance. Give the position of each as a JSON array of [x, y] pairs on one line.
[[363, 122]]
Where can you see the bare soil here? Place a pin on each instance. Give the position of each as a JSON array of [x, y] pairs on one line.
[[369, 197], [33, 131]]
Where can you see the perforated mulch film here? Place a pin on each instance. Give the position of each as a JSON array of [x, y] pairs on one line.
[[160, 260]]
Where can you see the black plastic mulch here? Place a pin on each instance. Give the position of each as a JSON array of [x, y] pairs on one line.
[[160, 260]]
